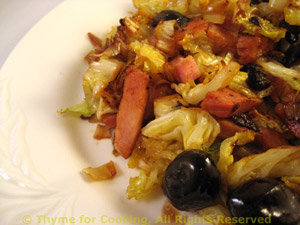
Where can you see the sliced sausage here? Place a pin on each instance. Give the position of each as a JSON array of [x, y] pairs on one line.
[[131, 111]]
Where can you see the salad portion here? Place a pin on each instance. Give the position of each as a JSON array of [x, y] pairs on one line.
[[203, 97]]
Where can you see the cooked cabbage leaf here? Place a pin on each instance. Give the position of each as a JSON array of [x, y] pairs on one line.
[[260, 26], [194, 94], [291, 76], [152, 157], [226, 148], [169, 103], [277, 162], [292, 15], [144, 184], [196, 42], [194, 127], [209, 64], [80, 109], [268, 120], [148, 57], [152, 7], [103, 172], [164, 32], [98, 75]]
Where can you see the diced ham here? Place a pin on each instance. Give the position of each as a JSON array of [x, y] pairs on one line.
[[229, 128], [282, 91], [269, 138], [131, 111], [223, 40], [109, 119], [184, 69], [225, 102], [249, 48], [191, 28]]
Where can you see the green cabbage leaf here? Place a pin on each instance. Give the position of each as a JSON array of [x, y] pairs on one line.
[[81, 109], [193, 127], [274, 163], [96, 78]]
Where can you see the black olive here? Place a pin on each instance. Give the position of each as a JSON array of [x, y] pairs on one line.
[[294, 142], [289, 45], [292, 28], [284, 45], [265, 198], [291, 37], [191, 181], [170, 15], [256, 2], [292, 56], [244, 120], [254, 20], [257, 78]]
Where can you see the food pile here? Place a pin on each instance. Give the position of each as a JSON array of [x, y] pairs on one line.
[[203, 97]]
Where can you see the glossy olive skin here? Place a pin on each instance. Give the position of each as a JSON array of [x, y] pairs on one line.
[[170, 15], [265, 198], [191, 181]]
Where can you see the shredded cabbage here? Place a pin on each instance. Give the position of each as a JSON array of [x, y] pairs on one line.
[[276, 162], [291, 76], [193, 127], [194, 94]]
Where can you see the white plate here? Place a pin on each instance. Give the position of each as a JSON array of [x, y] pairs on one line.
[[41, 152]]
